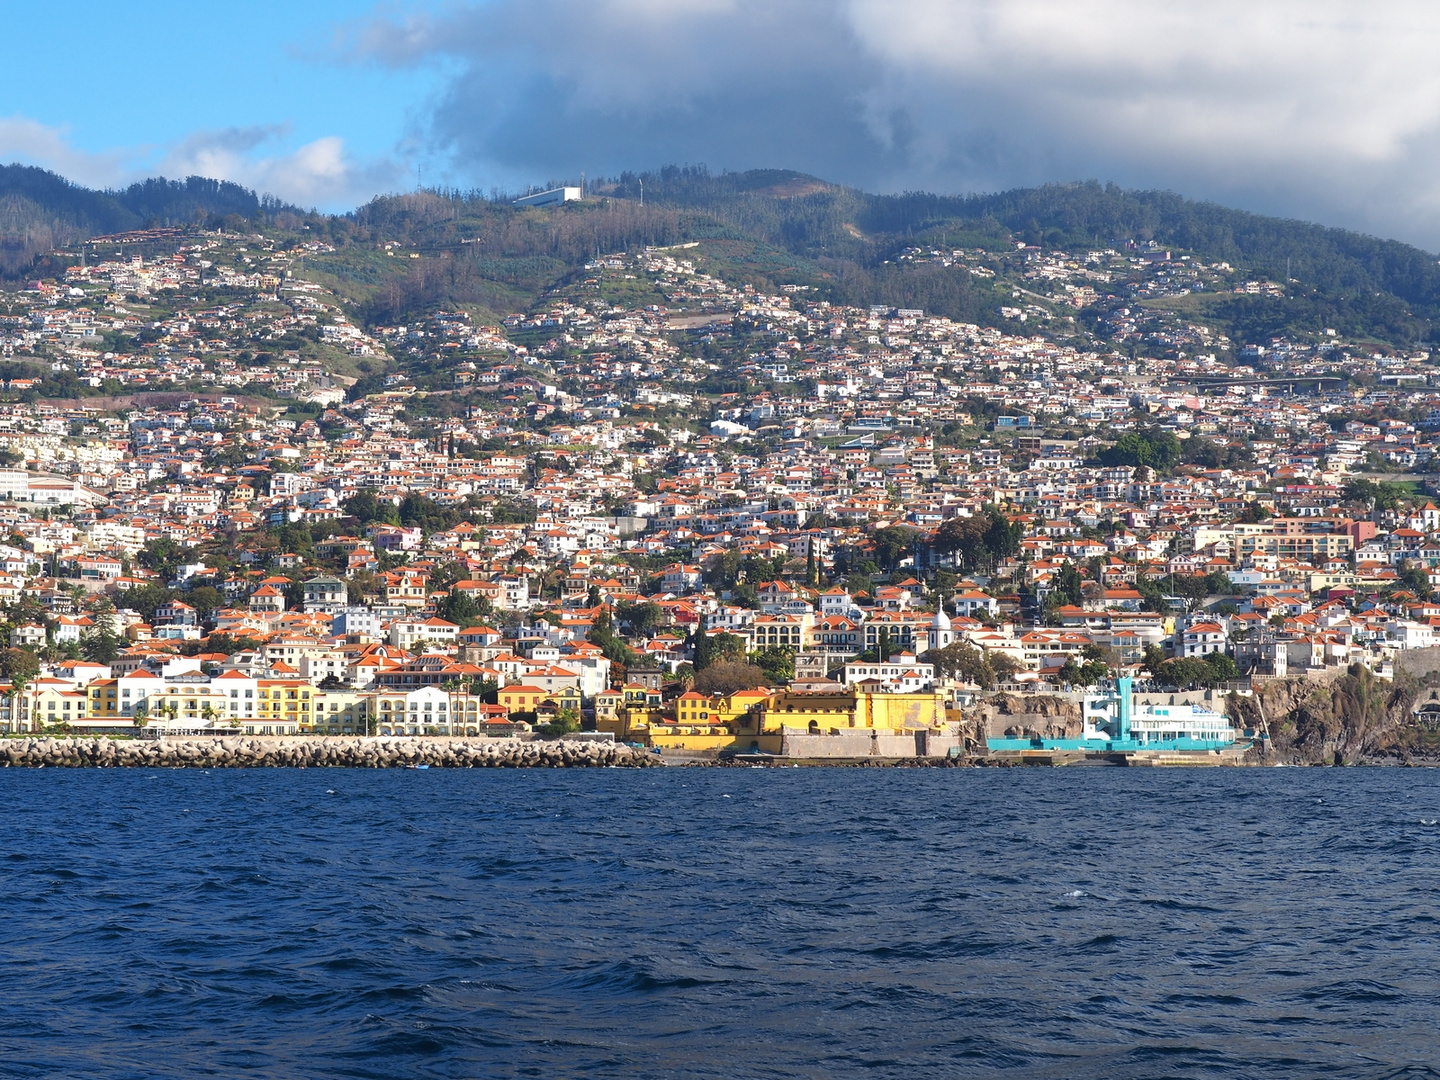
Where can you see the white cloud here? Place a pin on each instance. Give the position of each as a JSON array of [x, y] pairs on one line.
[[29, 142], [318, 173], [1317, 108]]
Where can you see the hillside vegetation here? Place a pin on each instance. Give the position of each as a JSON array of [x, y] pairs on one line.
[[40, 211], [773, 227]]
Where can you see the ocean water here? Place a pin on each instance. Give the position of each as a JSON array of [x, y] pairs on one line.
[[763, 923]]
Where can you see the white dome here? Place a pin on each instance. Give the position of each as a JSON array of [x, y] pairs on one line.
[[941, 620]]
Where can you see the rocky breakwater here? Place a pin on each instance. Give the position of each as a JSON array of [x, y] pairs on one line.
[[307, 752]]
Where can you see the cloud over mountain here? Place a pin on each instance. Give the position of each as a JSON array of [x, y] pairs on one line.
[[319, 173], [1319, 108]]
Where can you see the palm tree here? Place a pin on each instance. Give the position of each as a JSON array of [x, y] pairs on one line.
[[17, 698]]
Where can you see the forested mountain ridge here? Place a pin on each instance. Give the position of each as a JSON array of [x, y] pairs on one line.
[[777, 227], [40, 211], [1335, 274]]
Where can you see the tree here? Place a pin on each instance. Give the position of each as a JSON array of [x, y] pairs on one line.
[[724, 571], [444, 577], [981, 540], [19, 665], [883, 649], [959, 660], [944, 585], [1003, 536], [891, 544], [1084, 673], [641, 617], [1068, 588], [717, 648], [1385, 495], [1153, 448], [777, 662], [161, 555], [206, 600], [1004, 665], [1215, 668], [146, 598], [294, 590], [463, 610], [101, 645], [1184, 672], [602, 633], [366, 507], [1416, 578], [1222, 667], [1358, 490], [725, 677], [1154, 659], [230, 644], [417, 510], [567, 720], [964, 536]]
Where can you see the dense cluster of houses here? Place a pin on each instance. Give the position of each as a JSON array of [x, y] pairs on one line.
[[592, 469]]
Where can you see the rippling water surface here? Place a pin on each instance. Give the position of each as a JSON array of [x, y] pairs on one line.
[[720, 923]]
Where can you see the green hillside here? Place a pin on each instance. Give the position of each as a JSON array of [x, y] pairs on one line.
[[40, 211], [399, 257]]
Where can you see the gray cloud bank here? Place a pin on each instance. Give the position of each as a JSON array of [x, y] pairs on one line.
[[1324, 110]]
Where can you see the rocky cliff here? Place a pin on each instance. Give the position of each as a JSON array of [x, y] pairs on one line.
[[1352, 717], [1024, 716]]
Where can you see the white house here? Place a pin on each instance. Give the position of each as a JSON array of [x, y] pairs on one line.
[[1199, 641], [972, 600], [28, 634], [407, 633], [901, 674]]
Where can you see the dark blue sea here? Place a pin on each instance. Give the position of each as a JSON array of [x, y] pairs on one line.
[[726, 923]]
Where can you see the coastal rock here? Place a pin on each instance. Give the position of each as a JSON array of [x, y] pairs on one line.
[[1341, 715], [1026, 716]]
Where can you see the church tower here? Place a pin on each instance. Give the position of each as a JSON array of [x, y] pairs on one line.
[[940, 633]]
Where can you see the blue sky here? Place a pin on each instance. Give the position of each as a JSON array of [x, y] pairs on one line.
[[106, 92], [1321, 109], [164, 70]]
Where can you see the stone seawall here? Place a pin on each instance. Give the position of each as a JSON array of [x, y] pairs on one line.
[[245, 752]]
